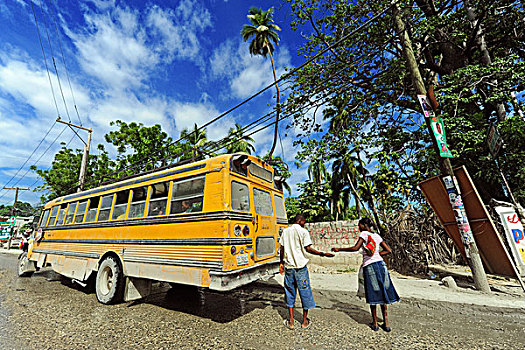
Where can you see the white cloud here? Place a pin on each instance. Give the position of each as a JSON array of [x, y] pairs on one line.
[[246, 74]]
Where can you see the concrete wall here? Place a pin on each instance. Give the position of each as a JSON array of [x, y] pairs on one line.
[[326, 235]]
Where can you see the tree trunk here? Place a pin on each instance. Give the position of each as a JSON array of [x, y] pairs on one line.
[[485, 58], [278, 110]]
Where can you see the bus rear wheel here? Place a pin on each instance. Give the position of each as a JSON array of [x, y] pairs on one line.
[[109, 285]]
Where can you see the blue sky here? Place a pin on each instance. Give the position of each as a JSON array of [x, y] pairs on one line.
[[172, 63]]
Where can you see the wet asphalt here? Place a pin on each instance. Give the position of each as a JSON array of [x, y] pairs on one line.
[[48, 311]]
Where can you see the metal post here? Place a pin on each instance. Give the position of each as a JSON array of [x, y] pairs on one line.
[[473, 257]]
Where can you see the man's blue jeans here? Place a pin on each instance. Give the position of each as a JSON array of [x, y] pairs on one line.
[[298, 279]]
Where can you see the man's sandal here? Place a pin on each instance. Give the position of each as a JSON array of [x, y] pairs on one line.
[[287, 325]]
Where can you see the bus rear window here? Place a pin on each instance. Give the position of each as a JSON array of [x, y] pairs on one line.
[[260, 172], [92, 211], [263, 202], [280, 211], [240, 197]]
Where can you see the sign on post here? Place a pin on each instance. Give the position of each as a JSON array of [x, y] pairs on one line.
[[494, 141], [515, 235], [438, 128]]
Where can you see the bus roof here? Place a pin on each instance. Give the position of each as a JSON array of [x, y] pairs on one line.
[[139, 178]]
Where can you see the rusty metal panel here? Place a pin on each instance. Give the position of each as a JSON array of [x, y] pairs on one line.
[[493, 253]]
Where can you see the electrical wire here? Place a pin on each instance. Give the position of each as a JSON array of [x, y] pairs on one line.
[[64, 62], [53, 59]]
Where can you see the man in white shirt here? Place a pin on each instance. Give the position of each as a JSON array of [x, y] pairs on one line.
[[295, 242]]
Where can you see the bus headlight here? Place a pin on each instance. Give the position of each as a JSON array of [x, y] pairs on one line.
[[233, 250], [246, 230], [237, 230]]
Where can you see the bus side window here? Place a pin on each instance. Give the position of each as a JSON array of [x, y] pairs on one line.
[[105, 208], [240, 197], [53, 216], [138, 202], [45, 215], [61, 214], [121, 203], [158, 199], [81, 210], [70, 212], [187, 195], [92, 210]]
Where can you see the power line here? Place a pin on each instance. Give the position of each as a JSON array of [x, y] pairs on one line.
[[45, 58], [53, 59], [64, 62], [41, 156], [285, 76]]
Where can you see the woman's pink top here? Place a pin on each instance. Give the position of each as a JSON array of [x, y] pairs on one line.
[[367, 259]]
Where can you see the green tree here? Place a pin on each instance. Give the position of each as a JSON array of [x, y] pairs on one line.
[[192, 142], [242, 143], [62, 178], [372, 103], [22, 209], [263, 35], [144, 147]]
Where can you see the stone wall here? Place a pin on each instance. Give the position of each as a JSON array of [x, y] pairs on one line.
[[326, 235]]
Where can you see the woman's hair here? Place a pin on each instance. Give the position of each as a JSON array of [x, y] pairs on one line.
[[366, 221]]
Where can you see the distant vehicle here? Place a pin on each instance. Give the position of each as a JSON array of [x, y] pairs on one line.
[[212, 223]]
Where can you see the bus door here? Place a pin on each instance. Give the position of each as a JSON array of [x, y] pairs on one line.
[[265, 225]]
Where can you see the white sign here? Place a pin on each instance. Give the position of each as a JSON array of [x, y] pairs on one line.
[[424, 101], [515, 235]]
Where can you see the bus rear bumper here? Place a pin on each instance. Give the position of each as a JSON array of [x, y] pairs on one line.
[[224, 281]]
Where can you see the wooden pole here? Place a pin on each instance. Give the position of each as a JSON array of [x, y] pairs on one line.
[[473, 257]]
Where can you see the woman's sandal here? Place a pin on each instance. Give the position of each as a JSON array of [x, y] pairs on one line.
[[386, 329], [374, 328]]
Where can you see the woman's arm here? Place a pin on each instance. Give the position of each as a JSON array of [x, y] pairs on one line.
[[355, 248], [386, 249]]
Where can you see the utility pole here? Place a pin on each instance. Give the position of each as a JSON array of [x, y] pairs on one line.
[[85, 156], [471, 249], [13, 210]]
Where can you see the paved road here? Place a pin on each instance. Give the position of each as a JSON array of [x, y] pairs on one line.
[[49, 312]]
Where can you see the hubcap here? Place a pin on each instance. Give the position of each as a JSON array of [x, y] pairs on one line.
[[106, 280]]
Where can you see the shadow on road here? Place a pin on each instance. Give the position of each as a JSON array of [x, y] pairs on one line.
[[353, 311]]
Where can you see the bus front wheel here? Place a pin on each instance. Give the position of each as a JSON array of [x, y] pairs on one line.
[[109, 285]]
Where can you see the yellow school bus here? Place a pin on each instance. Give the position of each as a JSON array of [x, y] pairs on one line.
[[212, 223]]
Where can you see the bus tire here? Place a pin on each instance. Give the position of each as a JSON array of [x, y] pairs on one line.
[[109, 285], [22, 266]]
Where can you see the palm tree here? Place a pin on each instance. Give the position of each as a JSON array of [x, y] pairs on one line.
[[240, 142], [193, 140], [317, 171], [263, 31]]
